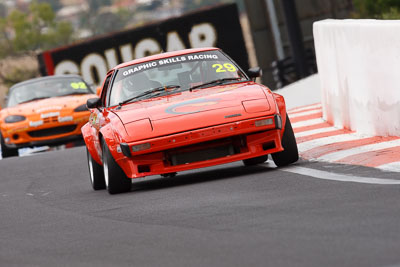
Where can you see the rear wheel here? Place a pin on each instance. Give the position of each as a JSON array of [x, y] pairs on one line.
[[96, 173], [115, 178], [290, 153], [7, 152], [255, 161]]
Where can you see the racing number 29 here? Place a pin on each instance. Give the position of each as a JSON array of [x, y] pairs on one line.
[[223, 68]]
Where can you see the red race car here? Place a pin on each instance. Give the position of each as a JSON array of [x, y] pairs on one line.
[[179, 111]]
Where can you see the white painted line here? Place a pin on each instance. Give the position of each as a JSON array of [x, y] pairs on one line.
[[393, 167], [324, 175], [357, 150], [311, 112], [306, 122], [326, 140], [316, 131], [318, 105]]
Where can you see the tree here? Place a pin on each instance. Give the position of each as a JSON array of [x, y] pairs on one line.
[[3, 10], [107, 22], [90, 19], [33, 30], [95, 5], [379, 9], [55, 4]]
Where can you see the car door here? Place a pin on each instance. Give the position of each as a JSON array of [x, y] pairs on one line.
[[98, 116]]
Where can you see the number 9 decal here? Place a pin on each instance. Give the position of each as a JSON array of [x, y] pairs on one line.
[[223, 68]]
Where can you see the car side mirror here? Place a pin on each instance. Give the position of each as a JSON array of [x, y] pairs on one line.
[[93, 103], [254, 73]]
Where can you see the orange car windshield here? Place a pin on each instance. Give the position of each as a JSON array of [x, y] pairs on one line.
[[46, 88], [146, 80]]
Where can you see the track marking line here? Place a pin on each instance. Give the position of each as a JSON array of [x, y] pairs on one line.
[[307, 123], [311, 127], [374, 158], [304, 113], [293, 113], [302, 108], [339, 146], [316, 131], [333, 157], [324, 175], [393, 167], [317, 115], [319, 140], [322, 135], [326, 140]]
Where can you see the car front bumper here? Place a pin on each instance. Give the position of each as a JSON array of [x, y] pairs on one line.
[[47, 134], [201, 147]]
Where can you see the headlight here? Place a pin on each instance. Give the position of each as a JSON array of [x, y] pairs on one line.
[[137, 148], [81, 108], [14, 118], [257, 105], [264, 122]]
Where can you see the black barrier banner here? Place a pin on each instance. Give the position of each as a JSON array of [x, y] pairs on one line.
[[92, 58]]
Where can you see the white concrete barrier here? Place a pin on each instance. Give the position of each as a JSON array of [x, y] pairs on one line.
[[359, 69]]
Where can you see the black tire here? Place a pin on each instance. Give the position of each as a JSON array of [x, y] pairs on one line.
[[115, 178], [96, 173], [169, 175], [7, 152], [290, 154], [255, 161]]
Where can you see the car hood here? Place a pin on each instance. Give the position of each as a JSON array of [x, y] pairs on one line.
[[192, 110], [186, 103], [47, 105]]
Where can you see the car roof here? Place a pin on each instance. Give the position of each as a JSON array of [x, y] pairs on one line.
[[45, 78], [164, 55]]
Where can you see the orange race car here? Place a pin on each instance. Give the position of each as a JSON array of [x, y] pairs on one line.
[[182, 110], [44, 111]]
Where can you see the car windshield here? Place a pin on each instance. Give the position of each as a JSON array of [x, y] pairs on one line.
[[175, 74], [46, 88]]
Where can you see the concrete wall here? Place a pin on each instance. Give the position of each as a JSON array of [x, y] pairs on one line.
[[359, 69]]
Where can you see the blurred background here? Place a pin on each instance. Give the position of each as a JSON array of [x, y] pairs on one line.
[[277, 33]]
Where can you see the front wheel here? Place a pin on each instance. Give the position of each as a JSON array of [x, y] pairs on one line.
[[255, 161], [115, 178], [290, 153], [96, 173], [5, 151]]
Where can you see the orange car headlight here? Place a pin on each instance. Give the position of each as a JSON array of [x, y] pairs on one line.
[[14, 118]]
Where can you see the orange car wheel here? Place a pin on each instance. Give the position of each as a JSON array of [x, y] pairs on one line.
[[96, 173], [7, 152], [115, 178], [290, 153]]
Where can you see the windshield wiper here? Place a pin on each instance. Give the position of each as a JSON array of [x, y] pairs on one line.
[[219, 81], [34, 99], [149, 92]]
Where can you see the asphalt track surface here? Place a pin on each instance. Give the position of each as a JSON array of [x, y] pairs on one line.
[[228, 215]]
